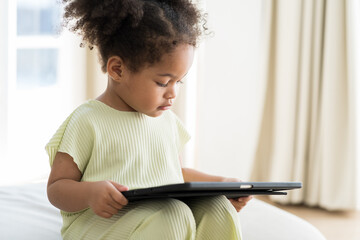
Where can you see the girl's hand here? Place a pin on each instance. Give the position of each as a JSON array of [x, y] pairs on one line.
[[240, 202], [106, 199]]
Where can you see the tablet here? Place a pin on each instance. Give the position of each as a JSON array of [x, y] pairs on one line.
[[205, 189]]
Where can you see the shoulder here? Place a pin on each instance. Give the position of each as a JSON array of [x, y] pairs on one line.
[[85, 113], [85, 110], [80, 118]]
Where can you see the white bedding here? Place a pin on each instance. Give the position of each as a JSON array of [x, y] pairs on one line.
[[25, 213]]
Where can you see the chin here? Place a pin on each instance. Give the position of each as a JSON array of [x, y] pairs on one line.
[[155, 114]]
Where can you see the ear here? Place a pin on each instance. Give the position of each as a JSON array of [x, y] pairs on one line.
[[115, 68]]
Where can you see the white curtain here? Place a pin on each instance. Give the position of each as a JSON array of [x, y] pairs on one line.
[[307, 132]]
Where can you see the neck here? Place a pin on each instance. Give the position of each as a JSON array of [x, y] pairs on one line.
[[112, 99]]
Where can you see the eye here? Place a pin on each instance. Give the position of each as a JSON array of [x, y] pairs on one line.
[[161, 84], [179, 82]]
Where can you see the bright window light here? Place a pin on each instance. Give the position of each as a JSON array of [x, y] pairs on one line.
[[39, 85]]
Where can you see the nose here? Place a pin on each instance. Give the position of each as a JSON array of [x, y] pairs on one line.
[[171, 92]]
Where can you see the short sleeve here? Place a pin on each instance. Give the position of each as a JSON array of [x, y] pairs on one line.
[[183, 135], [74, 137]]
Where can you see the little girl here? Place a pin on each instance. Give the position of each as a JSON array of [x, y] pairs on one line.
[[128, 138]]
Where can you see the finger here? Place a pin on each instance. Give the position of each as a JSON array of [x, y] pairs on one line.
[[116, 195], [240, 199], [244, 199], [237, 205], [232, 180], [106, 211], [234, 203], [237, 208], [117, 202], [110, 209], [242, 203], [248, 198], [116, 205], [119, 198], [119, 187], [105, 214]]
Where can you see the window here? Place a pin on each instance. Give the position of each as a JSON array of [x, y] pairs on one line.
[[39, 85], [37, 46]]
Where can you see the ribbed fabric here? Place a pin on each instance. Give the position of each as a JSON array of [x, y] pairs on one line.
[[130, 148], [137, 151], [215, 218], [212, 218]]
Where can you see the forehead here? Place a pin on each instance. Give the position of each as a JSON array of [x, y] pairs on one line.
[[176, 63]]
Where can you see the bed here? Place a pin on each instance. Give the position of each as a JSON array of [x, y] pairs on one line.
[[25, 213]]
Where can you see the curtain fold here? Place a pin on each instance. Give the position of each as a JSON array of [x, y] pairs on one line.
[[307, 131]]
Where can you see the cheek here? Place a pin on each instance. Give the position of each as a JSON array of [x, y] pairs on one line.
[[151, 95]]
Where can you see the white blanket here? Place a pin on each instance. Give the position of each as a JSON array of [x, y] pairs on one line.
[[25, 213]]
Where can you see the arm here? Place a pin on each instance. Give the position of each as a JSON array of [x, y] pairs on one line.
[[192, 175], [66, 192]]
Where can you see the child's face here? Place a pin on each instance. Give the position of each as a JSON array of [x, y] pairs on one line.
[[153, 89]]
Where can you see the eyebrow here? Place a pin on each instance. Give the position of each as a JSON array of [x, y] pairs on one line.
[[170, 75], [166, 75]]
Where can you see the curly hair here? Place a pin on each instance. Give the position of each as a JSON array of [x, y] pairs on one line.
[[138, 31]]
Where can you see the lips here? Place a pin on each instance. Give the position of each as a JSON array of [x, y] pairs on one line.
[[165, 107]]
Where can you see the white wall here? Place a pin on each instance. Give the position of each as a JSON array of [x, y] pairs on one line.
[[230, 92]]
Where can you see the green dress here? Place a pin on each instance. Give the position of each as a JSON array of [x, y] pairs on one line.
[[137, 151]]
